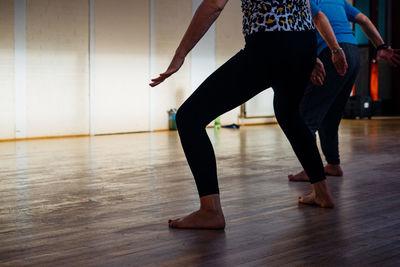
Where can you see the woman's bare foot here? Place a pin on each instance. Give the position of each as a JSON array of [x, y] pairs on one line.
[[300, 177], [320, 196], [329, 169], [209, 216], [333, 170]]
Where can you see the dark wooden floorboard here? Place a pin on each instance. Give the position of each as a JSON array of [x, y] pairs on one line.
[[105, 201]]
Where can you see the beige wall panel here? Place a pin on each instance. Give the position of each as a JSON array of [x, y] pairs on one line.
[[57, 67], [7, 103], [229, 40], [122, 49], [171, 19]]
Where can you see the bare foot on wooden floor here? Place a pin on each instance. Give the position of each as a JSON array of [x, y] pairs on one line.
[[333, 170], [209, 216], [201, 219], [300, 177], [329, 169], [320, 196]]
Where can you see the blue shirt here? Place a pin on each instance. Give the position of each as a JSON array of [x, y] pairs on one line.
[[339, 13]]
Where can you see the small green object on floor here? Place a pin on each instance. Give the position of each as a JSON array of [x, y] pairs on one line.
[[217, 123]]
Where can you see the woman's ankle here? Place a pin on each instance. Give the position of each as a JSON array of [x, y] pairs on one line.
[[211, 203]]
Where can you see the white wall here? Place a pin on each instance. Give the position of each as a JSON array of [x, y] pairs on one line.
[[132, 41], [170, 23], [229, 41], [7, 100], [121, 70], [57, 41]]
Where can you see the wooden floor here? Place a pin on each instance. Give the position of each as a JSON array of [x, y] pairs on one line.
[[105, 201]]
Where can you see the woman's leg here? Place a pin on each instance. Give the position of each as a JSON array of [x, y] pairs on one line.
[[288, 95], [328, 131], [231, 85], [323, 105], [304, 145]]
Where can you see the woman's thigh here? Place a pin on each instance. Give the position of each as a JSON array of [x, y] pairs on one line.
[[235, 82]]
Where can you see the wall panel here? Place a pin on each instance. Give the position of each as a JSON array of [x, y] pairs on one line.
[[7, 101], [229, 40], [121, 71], [170, 24], [57, 67]]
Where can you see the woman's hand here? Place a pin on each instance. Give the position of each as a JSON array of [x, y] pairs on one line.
[[392, 56], [318, 74], [340, 62], [326, 31], [174, 66]]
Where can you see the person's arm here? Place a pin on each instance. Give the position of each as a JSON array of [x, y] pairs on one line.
[[323, 26], [389, 54], [369, 29], [205, 16]]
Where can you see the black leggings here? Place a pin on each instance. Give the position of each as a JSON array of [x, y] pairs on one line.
[[281, 60]]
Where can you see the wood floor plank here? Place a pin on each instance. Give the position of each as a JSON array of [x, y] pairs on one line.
[[105, 201]]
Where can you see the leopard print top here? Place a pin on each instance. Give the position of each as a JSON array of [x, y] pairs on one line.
[[276, 15]]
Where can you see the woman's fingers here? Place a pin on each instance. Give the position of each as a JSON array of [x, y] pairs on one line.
[[156, 82], [317, 80], [339, 69], [162, 77], [320, 81], [321, 78], [342, 68], [323, 72]]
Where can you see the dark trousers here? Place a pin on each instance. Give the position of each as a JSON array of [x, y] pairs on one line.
[[322, 106], [281, 60]]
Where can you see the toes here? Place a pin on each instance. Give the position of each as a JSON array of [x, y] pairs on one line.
[[307, 200], [301, 200], [180, 223], [173, 223]]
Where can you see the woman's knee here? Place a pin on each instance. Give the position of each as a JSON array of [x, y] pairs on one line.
[[185, 116], [189, 119], [181, 117]]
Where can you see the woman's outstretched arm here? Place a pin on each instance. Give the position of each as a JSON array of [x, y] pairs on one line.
[[392, 56], [205, 16]]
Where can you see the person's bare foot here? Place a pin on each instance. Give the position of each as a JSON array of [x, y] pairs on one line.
[[300, 177], [329, 169], [320, 196], [209, 216], [333, 170], [201, 219]]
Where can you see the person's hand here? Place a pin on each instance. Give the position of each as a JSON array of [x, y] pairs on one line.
[[318, 74], [340, 62], [174, 66], [392, 56]]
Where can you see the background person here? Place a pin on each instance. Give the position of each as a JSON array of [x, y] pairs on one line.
[[323, 104]]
